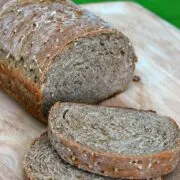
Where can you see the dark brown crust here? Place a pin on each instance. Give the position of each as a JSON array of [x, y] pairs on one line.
[[13, 82], [114, 165], [29, 176]]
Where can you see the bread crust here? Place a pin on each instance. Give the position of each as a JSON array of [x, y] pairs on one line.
[[29, 176], [112, 164], [15, 83]]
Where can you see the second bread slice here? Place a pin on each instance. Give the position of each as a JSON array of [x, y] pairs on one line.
[[43, 163], [115, 142]]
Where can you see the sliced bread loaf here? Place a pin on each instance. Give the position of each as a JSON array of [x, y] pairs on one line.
[[115, 142], [53, 50], [43, 163]]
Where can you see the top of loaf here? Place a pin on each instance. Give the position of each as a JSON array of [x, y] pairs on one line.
[[34, 32], [116, 130]]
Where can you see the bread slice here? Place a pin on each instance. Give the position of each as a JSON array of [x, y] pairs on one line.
[[43, 163], [53, 50], [115, 142]]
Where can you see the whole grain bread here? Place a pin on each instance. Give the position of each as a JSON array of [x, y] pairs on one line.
[[43, 163], [114, 142], [56, 51]]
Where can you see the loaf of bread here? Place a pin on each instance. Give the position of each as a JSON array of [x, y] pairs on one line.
[[115, 142], [55, 51], [43, 163]]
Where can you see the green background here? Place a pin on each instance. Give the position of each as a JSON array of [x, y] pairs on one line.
[[167, 9]]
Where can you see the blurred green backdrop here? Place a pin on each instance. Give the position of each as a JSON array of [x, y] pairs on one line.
[[167, 9]]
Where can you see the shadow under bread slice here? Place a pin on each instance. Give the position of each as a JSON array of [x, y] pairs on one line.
[[43, 163], [115, 142]]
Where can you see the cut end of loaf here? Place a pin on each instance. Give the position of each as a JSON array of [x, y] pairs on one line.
[[115, 130], [90, 69]]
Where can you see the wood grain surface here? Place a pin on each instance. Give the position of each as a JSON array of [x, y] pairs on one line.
[[157, 45]]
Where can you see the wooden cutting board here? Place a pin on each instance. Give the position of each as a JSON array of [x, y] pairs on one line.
[[157, 45]]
